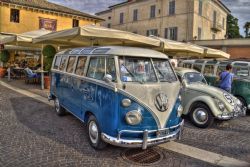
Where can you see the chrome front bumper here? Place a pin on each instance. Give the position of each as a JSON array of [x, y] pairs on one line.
[[227, 116], [146, 141]]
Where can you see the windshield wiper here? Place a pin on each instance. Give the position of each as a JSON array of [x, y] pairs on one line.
[[162, 75], [141, 82]]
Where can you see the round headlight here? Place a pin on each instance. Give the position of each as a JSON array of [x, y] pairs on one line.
[[221, 106], [133, 117], [179, 110], [126, 102]]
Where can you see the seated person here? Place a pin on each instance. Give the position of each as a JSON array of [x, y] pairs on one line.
[[30, 73]]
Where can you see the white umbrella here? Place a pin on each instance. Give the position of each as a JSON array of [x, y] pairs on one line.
[[178, 48], [95, 35]]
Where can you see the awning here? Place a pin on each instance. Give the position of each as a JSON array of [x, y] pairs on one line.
[[24, 39], [91, 35]]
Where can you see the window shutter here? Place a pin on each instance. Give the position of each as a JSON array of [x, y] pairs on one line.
[[176, 33], [166, 33]]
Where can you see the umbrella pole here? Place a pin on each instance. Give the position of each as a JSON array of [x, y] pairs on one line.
[[42, 74]]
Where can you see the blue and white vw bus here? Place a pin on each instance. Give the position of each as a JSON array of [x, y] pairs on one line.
[[128, 96]]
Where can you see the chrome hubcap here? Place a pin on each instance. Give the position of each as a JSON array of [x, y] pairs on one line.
[[200, 115], [93, 132], [57, 105]]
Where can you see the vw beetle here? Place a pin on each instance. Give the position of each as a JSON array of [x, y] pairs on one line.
[[204, 103]]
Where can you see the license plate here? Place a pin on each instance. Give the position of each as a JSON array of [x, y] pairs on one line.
[[161, 133]]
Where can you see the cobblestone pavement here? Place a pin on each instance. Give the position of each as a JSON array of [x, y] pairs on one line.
[[33, 135]]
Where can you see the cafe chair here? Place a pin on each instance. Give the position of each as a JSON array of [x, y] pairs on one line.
[[29, 79]]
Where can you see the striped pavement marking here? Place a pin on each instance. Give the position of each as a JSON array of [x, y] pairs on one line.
[[187, 150]]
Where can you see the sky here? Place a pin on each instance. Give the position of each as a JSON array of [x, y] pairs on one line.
[[239, 8]]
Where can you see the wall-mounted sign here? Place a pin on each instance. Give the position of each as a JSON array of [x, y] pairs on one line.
[[48, 24]]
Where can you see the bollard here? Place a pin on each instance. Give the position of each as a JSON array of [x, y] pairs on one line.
[[8, 70]]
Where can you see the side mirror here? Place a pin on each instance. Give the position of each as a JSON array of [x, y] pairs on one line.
[[107, 78]]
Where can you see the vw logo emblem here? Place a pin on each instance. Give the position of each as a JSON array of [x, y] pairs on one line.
[[161, 102]]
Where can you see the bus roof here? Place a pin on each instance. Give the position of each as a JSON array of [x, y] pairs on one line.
[[115, 50]]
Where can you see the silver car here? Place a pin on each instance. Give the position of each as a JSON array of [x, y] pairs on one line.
[[204, 103]]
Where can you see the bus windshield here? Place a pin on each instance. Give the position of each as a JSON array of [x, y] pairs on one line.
[[144, 70]]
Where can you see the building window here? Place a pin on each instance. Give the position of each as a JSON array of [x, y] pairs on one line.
[[75, 23], [109, 25], [214, 18], [200, 7], [153, 32], [109, 17], [173, 31], [213, 36], [199, 33], [172, 7], [14, 15], [135, 16], [121, 18], [152, 11]]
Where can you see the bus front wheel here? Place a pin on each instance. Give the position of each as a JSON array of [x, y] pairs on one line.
[[94, 134]]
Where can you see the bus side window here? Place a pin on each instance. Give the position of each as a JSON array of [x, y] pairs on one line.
[[57, 62], [187, 65], [71, 63], [209, 70], [197, 67], [63, 63], [111, 68], [220, 69], [96, 68], [80, 65]]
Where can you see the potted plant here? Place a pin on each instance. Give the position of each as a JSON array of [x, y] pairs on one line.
[[48, 52], [4, 58]]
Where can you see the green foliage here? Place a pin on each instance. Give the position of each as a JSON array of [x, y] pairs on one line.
[[247, 27], [4, 56], [233, 30], [48, 52]]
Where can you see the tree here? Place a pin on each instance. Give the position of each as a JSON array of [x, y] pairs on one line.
[[247, 27], [233, 30], [48, 52], [4, 56]]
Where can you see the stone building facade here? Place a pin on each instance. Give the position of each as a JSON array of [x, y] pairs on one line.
[[19, 16], [182, 20]]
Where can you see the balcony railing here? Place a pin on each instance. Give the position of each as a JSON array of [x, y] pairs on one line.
[[216, 27]]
